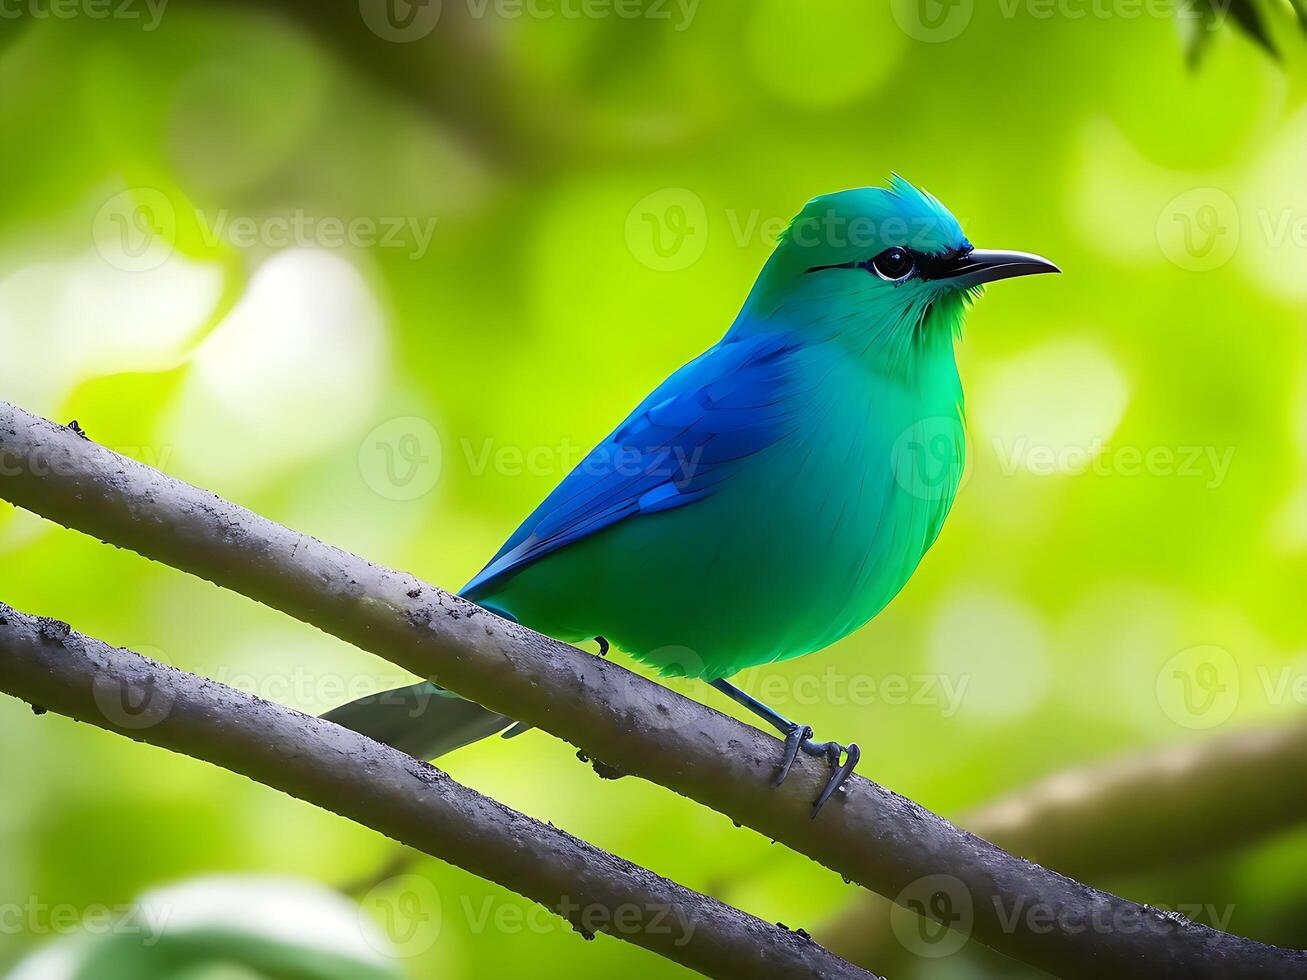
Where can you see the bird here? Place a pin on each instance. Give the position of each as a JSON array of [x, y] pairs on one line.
[[772, 495]]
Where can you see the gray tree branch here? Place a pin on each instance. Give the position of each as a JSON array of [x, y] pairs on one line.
[[634, 726], [1142, 811], [48, 665]]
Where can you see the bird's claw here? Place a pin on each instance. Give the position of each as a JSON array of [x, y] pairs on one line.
[[851, 753], [799, 738]]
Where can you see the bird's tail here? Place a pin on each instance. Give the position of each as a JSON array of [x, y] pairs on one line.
[[424, 720]]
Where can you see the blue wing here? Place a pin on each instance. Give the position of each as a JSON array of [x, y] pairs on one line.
[[675, 448]]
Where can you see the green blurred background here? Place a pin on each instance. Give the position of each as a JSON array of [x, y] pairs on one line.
[[386, 283]]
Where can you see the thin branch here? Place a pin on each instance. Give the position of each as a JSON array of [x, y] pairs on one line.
[[1113, 817], [433, 72], [634, 726], [48, 665], [1138, 812]]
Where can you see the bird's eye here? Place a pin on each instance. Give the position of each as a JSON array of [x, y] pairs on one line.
[[894, 264]]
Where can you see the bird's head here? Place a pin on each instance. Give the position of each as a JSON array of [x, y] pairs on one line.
[[887, 270]]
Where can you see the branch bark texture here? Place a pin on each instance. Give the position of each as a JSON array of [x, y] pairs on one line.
[[869, 834], [45, 663], [1142, 811]]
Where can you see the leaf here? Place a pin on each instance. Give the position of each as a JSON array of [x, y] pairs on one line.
[[1200, 19], [1247, 16]]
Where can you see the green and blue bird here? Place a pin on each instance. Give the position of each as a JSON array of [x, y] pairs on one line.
[[772, 495]]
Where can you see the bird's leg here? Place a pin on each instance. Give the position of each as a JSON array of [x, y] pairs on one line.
[[799, 737]]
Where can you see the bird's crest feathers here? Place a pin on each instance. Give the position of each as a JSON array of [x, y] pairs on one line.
[[874, 218]]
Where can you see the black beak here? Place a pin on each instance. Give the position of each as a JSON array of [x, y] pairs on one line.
[[979, 266]]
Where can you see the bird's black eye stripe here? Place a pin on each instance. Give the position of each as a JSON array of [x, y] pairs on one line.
[[941, 265], [899, 263]]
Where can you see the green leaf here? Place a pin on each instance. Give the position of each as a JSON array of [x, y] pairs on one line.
[[1199, 21], [1247, 16]]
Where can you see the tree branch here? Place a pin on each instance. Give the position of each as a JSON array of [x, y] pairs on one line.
[[461, 53], [870, 835], [1123, 816], [45, 663], [435, 71], [1117, 815]]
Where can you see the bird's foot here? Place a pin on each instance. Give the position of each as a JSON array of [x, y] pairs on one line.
[[842, 760], [795, 739]]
